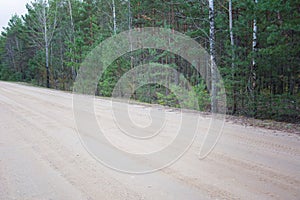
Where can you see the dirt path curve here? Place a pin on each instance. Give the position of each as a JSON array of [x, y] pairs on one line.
[[41, 157]]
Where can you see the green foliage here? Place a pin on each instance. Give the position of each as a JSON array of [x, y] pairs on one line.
[[196, 98], [80, 25]]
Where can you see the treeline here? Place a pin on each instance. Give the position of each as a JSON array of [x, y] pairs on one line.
[[257, 48]]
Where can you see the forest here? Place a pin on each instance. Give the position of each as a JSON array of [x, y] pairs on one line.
[[255, 45]]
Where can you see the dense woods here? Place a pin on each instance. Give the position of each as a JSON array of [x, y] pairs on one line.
[[256, 46]]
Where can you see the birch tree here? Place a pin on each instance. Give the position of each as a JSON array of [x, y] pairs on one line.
[[72, 39], [42, 24], [232, 54], [114, 16], [231, 32], [213, 66], [253, 66]]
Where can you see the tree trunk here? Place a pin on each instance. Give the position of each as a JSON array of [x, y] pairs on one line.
[[213, 67], [253, 66], [74, 72], [232, 57], [46, 45], [114, 17]]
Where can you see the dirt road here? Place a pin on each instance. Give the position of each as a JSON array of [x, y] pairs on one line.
[[41, 157]]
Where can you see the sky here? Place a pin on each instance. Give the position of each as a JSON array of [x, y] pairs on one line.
[[9, 8]]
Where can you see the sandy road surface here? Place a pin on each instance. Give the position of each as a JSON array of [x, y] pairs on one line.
[[41, 157]]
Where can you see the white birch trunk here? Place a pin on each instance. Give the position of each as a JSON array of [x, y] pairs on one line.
[[232, 54], [252, 83], [44, 19], [114, 16], [129, 15], [254, 49], [74, 73], [71, 16], [231, 32], [254, 42], [212, 57], [44, 32], [129, 28]]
